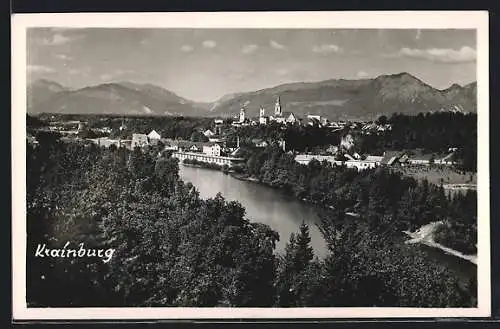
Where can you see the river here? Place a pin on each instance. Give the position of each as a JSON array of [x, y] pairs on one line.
[[282, 213], [285, 213]]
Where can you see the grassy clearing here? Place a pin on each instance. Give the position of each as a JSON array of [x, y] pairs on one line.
[[439, 174]]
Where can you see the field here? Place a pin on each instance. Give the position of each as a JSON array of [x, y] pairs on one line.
[[439, 174]]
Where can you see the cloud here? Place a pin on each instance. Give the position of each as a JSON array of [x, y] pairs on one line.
[[209, 44], [240, 73], [123, 72], [105, 77], [63, 57], [56, 40], [276, 45], [362, 74], [116, 74], [443, 55], [326, 49], [187, 48], [282, 72], [248, 49], [85, 71], [40, 69]]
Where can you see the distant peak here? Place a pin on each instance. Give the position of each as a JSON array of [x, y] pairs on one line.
[[455, 86], [402, 75], [47, 82]]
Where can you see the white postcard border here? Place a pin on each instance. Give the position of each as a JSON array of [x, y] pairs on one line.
[[360, 20]]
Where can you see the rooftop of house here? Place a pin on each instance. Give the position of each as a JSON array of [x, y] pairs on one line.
[[421, 155], [391, 156], [188, 144], [153, 133], [374, 158]]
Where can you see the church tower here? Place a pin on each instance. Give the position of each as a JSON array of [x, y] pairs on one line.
[[242, 115], [277, 108], [262, 112]]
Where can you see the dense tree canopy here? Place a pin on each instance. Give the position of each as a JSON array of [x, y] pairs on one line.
[[385, 196], [173, 248], [432, 132]]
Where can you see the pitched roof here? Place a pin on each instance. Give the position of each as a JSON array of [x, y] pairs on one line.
[[237, 153], [154, 134], [139, 136], [391, 156], [189, 144], [374, 158]]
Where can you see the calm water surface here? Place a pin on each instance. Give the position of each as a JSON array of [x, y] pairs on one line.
[[282, 213]]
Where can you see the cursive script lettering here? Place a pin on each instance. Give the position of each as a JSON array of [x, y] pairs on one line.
[[43, 251]]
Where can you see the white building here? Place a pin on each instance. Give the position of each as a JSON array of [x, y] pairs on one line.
[[263, 120], [368, 163], [360, 164], [139, 140], [280, 116], [212, 149], [314, 117], [290, 117], [242, 115]]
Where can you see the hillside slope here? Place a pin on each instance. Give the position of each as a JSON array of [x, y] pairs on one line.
[[335, 99], [125, 98], [362, 99]]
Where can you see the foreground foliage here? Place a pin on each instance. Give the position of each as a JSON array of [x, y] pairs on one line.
[[175, 249]]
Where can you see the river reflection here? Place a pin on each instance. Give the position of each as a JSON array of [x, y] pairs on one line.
[[282, 213], [285, 213]]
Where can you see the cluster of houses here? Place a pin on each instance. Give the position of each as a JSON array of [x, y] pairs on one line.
[[389, 158], [279, 116], [360, 164], [285, 117], [374, 128], [211, 152]]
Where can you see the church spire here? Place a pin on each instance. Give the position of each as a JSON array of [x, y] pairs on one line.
[[277, 107], [242, 114]]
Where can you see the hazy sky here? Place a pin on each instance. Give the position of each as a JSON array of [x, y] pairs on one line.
[[205, 64]]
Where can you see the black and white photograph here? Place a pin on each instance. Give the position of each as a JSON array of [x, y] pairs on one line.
[[264, 165]]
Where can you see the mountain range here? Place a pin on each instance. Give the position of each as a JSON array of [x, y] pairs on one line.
[[335, 99]]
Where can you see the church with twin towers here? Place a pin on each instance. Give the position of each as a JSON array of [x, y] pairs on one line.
[[278, 116]]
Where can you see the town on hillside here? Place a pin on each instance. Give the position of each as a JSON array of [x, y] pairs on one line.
[[267, 168], [214, 146]]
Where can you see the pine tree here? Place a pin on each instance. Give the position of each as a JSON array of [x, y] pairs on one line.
[[304, 253], [293, 275]]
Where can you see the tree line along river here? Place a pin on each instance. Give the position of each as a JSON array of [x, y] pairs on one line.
[[285, 213]]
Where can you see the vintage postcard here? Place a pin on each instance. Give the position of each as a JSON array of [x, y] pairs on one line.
[[290, 165]]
